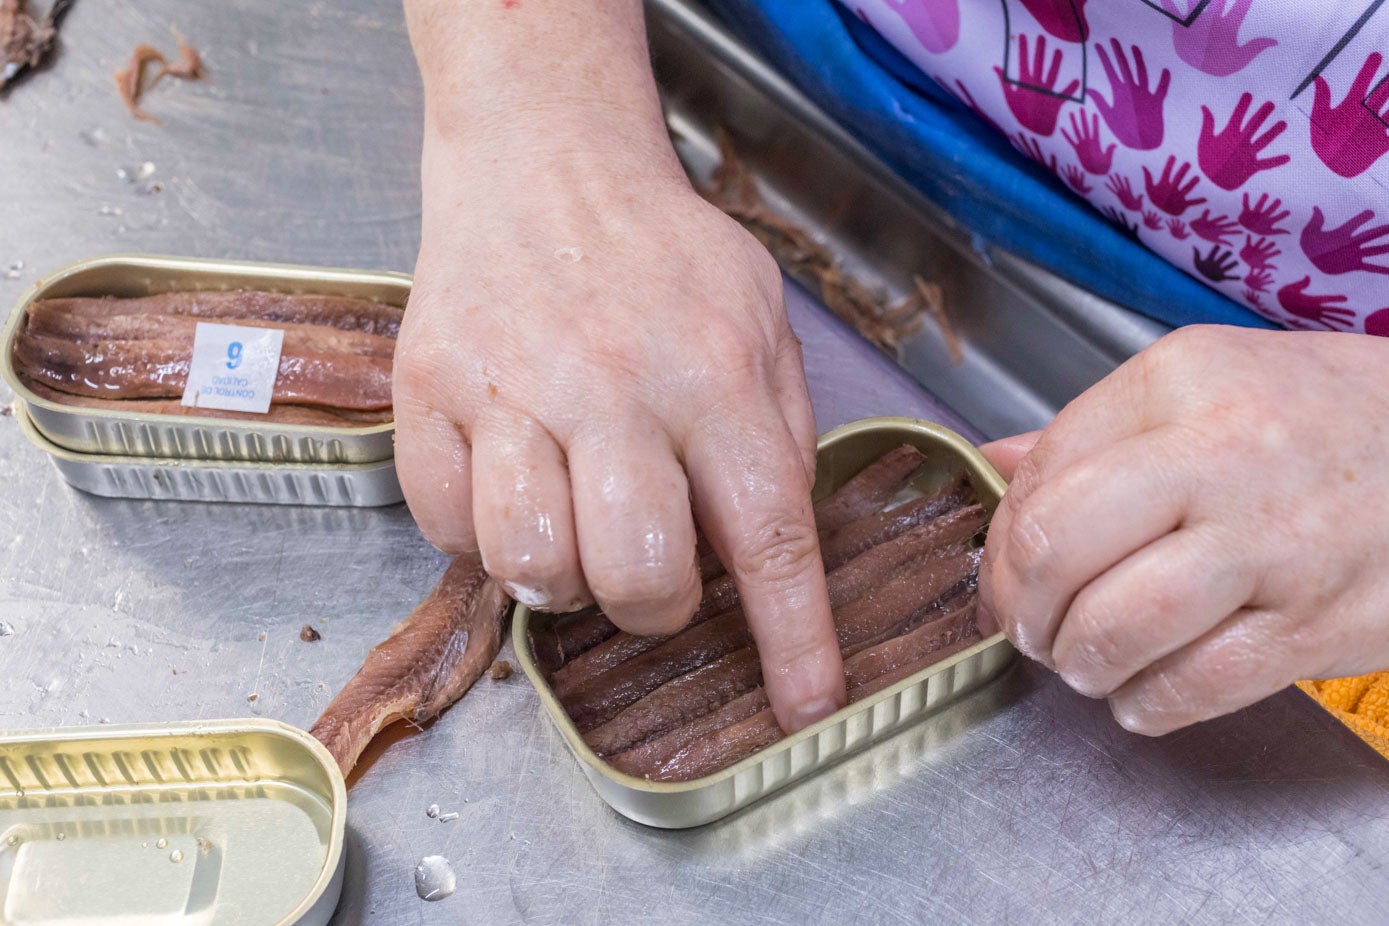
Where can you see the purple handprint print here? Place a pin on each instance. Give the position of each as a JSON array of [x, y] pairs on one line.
[[1259, 254], [1130, 229], [1259, 280], [1321, 310], [1217, 266], [1253, 298], [1064, 19], [1033, 149], [1345, 248], [1352, 135], [1231, 156], [1090, 150], [1033, 97], [1262, 218], [1152, 220], [1172, 191], [967, 98], [1075, 179], [1123, 190], [1133, 112], [1377, 323], [935, 23], [1210, 42], [1215, 229], [1178, 229]]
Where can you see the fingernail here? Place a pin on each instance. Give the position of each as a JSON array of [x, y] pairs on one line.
[[806, 714]]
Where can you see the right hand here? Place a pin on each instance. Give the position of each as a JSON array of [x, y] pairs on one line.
[[595, 360]]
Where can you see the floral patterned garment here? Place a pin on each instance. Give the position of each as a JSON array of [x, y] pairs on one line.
[[1243, 140]]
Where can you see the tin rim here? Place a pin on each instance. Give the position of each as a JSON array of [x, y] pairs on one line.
[[41, 441], [987, 480], [337, 839], [299, 272]]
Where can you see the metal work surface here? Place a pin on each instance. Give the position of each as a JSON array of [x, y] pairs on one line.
[[1026, 803]]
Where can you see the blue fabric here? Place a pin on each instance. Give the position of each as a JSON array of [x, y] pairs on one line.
[[958, 161]]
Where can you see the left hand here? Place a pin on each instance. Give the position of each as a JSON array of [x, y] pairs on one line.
[[1203, 527]]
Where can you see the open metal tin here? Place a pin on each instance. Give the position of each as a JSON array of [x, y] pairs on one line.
[[138, 434], [209, 823], [359, 485], [843, 452]]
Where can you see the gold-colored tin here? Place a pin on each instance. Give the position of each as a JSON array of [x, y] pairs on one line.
[[356, 485], [211, 823], [121, 433], [843, 452]]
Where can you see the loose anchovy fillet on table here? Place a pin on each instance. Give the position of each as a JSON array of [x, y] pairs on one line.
[[901, 577], [429, 661]]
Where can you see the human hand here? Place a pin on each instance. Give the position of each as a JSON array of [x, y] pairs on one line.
[[1231, 156], [594, 360], [1353, 134], [1033, 97], [1134, 110], [1199, 530], [1345, 248]]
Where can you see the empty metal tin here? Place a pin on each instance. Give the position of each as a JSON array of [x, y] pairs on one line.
[[843, 452], [136, 434], [360, 485], [221, 822]]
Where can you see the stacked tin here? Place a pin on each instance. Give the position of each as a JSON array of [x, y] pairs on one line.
[[131, 454]]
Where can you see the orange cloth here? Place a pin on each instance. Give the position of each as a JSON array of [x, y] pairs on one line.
[[1360, 703]]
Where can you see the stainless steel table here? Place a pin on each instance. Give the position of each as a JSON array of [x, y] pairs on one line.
[[1024, 804]]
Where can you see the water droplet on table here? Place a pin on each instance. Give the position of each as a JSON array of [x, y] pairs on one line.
[[176, 856], [62, 836], [145, 170], [162, 843], [13, 841], [14, 270], [432, 811], [448, 817], [434, 878], [6, 629]]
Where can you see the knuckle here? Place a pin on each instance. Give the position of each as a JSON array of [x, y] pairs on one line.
[[777, 552], [1032, 553], [538, 567], [637, 582], [1090, 663]]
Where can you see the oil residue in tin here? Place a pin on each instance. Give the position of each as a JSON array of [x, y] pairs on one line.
[[434, 878]]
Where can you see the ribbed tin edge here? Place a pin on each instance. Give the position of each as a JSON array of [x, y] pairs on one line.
[[317, 907], [677, 805], [102, 431], [362, 485]]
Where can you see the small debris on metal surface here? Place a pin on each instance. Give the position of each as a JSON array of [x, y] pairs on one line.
[[26, 42], [309, 635], [130, 80], [888, 325], [500, 670]]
